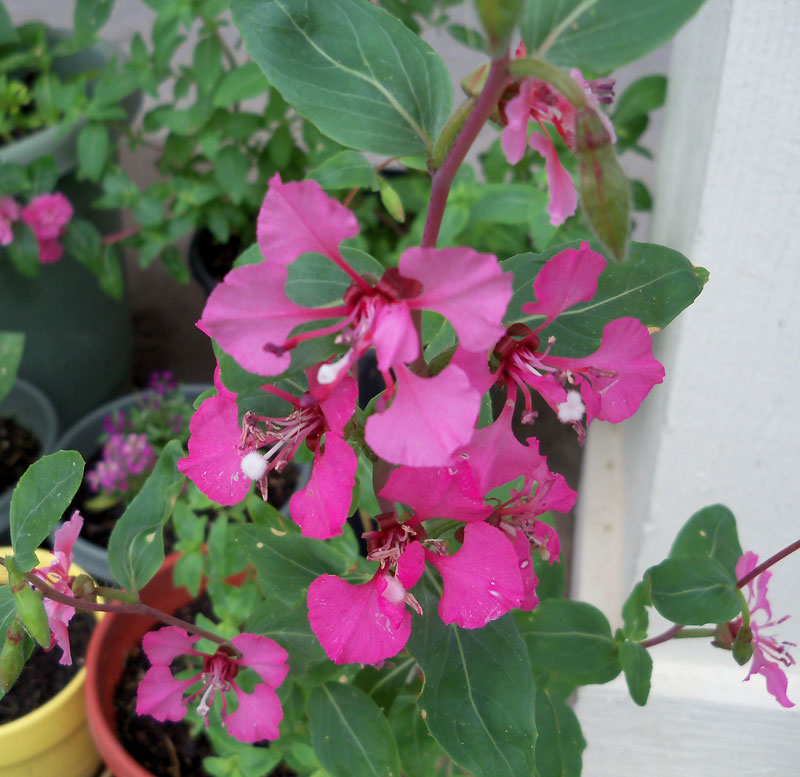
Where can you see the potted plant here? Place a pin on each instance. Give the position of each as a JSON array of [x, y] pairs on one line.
[[53, 737], [28, 423], [68, 97]]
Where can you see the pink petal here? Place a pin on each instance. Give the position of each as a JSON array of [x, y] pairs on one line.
[[340, 404], [9, 209], [411, 564], [60, 634], [481, 580], [626, 349], [522, 549], [215, 458], [394, 336], [250, 310], [565, 280], [351, 623], [518, 112], [161, 695], [297, 218], [468, 288], [547, 538], [164, 645], [50, 251], [322, 507], [475, 365], [264, 656], [429, 419], [438, 492], [563, 195], [777, 684], [65, 539], [257, 715], [591, 99], [47, 215]]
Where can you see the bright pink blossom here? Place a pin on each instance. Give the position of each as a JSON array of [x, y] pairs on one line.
[[257, 714], [609, 384], [253, 319], [769, 654], [47, 215], [57, 576], [539, 101], [224, 455], [9, 213]]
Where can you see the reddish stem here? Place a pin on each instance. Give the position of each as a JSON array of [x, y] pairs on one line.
[[443, 178], [116, 237], [781, 554], [124, 609]]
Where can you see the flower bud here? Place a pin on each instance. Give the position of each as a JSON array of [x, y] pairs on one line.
[[743, 645], [12, 656], [29, 604], [83, 587], [498, 17]]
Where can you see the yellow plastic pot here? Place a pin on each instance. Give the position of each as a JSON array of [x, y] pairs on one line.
[[54, 739]]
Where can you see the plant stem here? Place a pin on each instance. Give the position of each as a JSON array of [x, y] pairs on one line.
[[443, 178], [673, 631], [124, 609], [116, 237]]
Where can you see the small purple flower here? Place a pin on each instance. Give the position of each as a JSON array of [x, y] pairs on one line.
[[162, 382], [124, 455]]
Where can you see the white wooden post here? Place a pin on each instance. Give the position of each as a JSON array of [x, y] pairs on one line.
[[724, 426]]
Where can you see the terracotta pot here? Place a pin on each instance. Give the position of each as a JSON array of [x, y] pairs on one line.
[[53, 739], [112, 640]]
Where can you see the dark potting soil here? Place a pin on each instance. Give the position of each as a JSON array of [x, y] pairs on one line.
[[218, 258], [166, 749], [98, 524], [43, 677], [19, 448]]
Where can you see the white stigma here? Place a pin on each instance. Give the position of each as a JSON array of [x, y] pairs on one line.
[[572, 409], [328, 373], [254, 465], [394, 591]]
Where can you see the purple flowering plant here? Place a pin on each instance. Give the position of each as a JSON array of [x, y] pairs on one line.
[[447, 622]]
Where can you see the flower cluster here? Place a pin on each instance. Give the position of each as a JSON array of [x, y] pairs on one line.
[[426, 422], [124, 458], [47, 215]]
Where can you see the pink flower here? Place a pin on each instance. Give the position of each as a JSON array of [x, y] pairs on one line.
[[47, 215], [224, 455], [768, 653], [9, 213], [257, 714], [124, 457], [251, 317], [57, 576], [609, 384], [539, 101]]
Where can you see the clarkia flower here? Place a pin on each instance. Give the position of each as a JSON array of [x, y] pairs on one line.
[[541, 102], [257, 714], [252, 318], [609, 384], [124, 456], [769, 654], [47, 215], [9, 213], [57, 576], [225, 456]]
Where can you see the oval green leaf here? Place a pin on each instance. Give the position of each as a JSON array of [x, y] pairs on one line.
[[637, 666], [710, 532], [352, 69]]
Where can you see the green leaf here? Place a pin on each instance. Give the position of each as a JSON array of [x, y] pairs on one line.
[[90, 16], [83, 242], [710, 532], [478, 698], [188, 572], [93, 149], [7, 35], [136, 545], [382, 685], [346, 170], [39, 500], [600, 35], [654, 285], [634, 613], [288, 563], [289, 627], [352, 69], [638, 666], [350, 735], [420, 754], [314, 280], [12, 345], [560, 744], [693, 591], [241, 84], [639, 99], [207, 63], [572, 639], [8, 609], [13, 177], [23, 251], [230, 170]]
